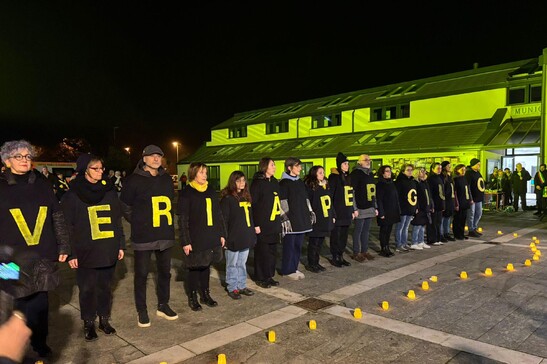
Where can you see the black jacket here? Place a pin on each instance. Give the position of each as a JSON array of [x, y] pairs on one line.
[[93, 215], [436, 186], [519, 181], [266, 204], [463, 194], [540, 181], [406, 190], [449, 195], [293, 191], [321, 202], [342, 197], [388, 202], [238, 217], [425, 205], [147, 205], [476, 184], [364, 186], [32, 223]]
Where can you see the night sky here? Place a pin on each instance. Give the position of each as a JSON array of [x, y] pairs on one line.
[[159, 72]]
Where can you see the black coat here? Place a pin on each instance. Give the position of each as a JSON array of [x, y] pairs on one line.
[[519, 182], [364, 187], [342, 197], [425, 205], [266, 204], [463, 193], [540, 181], [406, 189], [238, 217], [476, 184], [449, 195], [321, 203], [436, 186], [294, 191], [387, 199]]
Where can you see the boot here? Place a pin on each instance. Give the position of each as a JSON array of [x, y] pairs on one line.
[[89, 330], [105, 327], [335, 260], [389, 252], [193, 301], [383, 252], [206, 298]]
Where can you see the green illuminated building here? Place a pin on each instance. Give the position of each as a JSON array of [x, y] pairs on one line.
[[492, 113]]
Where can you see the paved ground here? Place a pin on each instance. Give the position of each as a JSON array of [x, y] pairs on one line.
[[502, 318]]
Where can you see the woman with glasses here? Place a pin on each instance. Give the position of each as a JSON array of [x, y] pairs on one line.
[[33, 226], [94, 217]]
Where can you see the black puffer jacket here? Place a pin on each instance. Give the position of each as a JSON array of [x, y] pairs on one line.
[[388, 202]]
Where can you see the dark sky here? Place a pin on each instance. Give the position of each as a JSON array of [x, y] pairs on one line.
[[161, 72]]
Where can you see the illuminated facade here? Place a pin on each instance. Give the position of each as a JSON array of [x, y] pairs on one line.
[[492, 113]]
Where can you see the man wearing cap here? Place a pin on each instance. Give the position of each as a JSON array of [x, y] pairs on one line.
[[147, 202], [477, 187]]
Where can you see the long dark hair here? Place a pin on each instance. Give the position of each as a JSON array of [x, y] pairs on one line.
[[231, 187], [311, 178], [263, 164], [382, 169]]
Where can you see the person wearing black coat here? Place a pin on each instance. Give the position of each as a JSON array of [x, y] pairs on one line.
[[342, 200], [321, 202], [519, 181], [202, 233], [406, 190], [506, 188], [540, 183], [423, 212], [266, 207], [436, 186], [462, 201], [389, 211], [449, 196], [33, 227], [476, 187], [240, 230], [93, 215]]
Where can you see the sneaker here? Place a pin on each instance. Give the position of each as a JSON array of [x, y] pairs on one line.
[[166, 312], [416, 247], [437, 243], [246, 292], [294, 276], [402, 249], [234, 294], [300, 274], [144, 320], [424, 245]]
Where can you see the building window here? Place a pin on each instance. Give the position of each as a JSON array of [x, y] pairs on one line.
[[249, 170], [517, 96], [276, 127], [238, 132], [326, 121], [390, 112], [535, 93], [306, 166], [213, 177]]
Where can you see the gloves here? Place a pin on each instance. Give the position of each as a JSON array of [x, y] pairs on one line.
[[286, 226], [313, 218]]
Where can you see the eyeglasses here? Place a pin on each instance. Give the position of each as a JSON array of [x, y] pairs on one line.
[[366, 160], [97, 169], [19, 157]]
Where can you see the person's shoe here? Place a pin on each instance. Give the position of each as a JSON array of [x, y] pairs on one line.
[[43, 351], [89, 330], [384, 253], [344, 262], [143, 319], [205, 297], [105, 326], [444, 240], [424, 245], [437, 243], [335, 262], [166, 312], [320, 267], [368, 256], [300, 274], [465, 238], [246, 292], [294, 276], [313, 268], [263, 284], [356, 257], [450, 238], [193, 301], [416, 247], [474, 234], [272, 282], [234, 295]]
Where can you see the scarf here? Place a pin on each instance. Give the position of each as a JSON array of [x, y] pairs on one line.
[[198, 187], [90, 193]]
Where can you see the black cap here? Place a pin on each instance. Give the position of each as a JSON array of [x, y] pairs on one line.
[[473, 162], [340, 158], [83, 162], [444, 164], [152, 149]]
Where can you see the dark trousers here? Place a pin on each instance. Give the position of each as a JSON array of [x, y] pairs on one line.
[[163, 266], [338, 240], [265, 256], [292, 245], [507, 198], [35, 307], [458, 223], [522, 196], [198, 279], [434, 229], [95, 285], [314, 248], [385, 233]]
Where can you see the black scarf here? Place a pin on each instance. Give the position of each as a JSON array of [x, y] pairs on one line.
[[90, 193]]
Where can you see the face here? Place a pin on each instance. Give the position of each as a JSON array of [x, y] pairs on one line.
[[387, 173], [295, 170], [542, 168], [519, 167], [448, 168], [507, 172], [345, 166], [20, 162], [408, 171], [94, 172], [240, 184], [364, 161], [320, 174], [201, 176], [500, 173], [44, 170], [422, 174], [152, 161], [476, 167], [270, 171], [438, 168]]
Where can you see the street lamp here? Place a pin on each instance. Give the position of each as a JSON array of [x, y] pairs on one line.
[[128, 150], [176, 145]]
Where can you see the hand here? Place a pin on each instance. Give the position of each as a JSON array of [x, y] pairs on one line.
[[73, 263], [187, 249], [382, 217], [222, 241], [257, 230], [355, 214], [334, 220], [376, 212], [313, 218], [62, 258], [14, 336], [121, 254]]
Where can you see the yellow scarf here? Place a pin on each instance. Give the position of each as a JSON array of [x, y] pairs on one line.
[[197, 186]]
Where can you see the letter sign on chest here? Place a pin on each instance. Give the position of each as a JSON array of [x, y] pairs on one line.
[[34, 237]]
